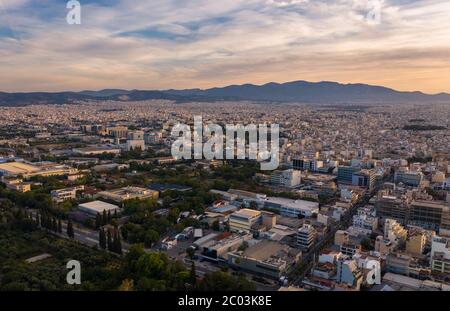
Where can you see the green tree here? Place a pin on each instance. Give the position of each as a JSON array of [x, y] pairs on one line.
[[38, 220], [151, 237], [117, 243], [152, 265], [367, 244], [54, 225], [190, 251], [98, 221], [70, 231], [104, 218], [109, 242], [192, 274], [222, 281], [216, 225], [102, 238]]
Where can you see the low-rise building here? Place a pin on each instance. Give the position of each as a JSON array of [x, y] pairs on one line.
[[95, 207], [96, 150], [16, 184], [27, 170], [244, 220], [440, 255], [218, 249], [287, 178], [348, 273], [62, 195], [292, 208], [127, 193], [394, 232], [266, 258], [366, 219]]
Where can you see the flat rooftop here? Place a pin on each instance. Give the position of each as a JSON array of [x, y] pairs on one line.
[[18, 168], [264, 250], [294, 204], [164, 187], [246, 212], [129, 190], [96, 148], [99, 206]]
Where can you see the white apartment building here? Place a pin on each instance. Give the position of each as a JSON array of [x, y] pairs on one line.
[[440, 255], [306, 236], [287, 178], [366, 219], [135, 140], [394, 232], [62, 195]]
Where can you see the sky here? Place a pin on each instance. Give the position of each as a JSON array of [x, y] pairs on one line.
[[164, 44]]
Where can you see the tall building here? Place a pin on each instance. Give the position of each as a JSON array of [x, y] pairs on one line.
[[430, 215], [364, 178], [408, 178], [345, 174], [306, 237], [415, 244], [393, 207]]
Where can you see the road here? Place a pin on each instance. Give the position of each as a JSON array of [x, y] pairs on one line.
[[326, 241], [83, 235]]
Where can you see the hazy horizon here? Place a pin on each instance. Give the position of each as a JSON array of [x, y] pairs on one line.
[[218, 86]]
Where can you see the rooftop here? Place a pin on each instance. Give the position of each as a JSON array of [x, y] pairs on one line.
[[18, 168], [245, 212], [99, 206], [293, 204], [264, 250]]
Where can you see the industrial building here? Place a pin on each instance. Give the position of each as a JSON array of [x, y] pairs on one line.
[[292, 208], [27, 170], [97, 150], [127, 193], [95, 207]]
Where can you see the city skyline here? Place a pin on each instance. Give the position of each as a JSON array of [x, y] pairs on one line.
[[203, 44]]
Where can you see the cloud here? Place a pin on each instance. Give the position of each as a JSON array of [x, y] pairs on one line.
[[199, 43]]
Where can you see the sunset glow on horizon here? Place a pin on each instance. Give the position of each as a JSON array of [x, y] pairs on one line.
[[164, 44]]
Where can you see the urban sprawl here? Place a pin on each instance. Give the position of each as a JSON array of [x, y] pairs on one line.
[[96, 182]]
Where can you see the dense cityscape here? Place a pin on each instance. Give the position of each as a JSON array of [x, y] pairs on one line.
[[236, 154], [360, 200]]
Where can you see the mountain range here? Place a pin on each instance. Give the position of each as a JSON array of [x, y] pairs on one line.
[[296, 91]]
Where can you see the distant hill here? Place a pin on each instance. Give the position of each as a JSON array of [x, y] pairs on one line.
[[296, 91], [315, 92]]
